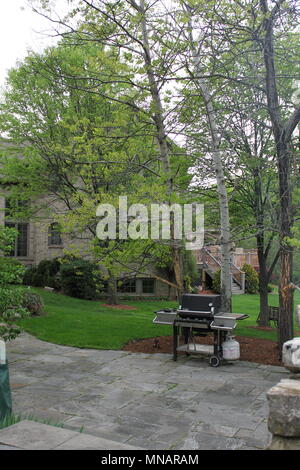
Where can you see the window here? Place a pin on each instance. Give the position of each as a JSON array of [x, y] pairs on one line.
[[128, 286], [54, 236], [13, 207], [148, 286], [21, 243]]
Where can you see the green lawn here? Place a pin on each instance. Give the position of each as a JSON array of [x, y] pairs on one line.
[[87, 324]]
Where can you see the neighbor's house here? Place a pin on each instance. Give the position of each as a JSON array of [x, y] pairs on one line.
[[209, 262]]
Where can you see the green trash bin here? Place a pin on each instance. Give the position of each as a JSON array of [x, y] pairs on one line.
[[5, 395]]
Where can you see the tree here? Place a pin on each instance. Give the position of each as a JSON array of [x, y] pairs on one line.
[[196, 68], [238, 28], [132, 29], [84, 149], [252, 176], [260, 26], [283, 127]]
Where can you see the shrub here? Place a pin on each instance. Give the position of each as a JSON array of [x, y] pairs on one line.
[[187, 284], [38, 279], [216, 284], [78, 279], [11, 270], [33, 302], [11, 274], [190, 267], [54, 282], [251, 279], [42, 274], [45, 274], [28, 276]]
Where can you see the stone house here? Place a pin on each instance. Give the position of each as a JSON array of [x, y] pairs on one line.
[[41, 239]]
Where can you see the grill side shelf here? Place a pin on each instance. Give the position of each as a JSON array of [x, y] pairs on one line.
[[226, 321], [165, 318], [160, 322], [230, 316], [223, 326]]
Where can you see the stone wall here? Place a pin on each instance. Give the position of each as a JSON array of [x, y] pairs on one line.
[[38, 246]]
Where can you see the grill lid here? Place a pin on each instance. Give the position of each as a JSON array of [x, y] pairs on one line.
[[201, 303]]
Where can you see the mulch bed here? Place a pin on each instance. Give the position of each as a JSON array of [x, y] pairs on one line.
[[262, 351]]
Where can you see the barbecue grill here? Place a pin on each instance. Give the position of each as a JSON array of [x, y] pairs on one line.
[[199, 315]]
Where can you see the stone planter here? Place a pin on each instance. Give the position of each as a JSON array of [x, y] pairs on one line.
[[284, 415]]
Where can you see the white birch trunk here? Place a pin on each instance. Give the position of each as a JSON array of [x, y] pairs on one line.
[[162, 140], [225, 239]]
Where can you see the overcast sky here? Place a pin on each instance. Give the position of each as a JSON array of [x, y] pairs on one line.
[[20, 30]]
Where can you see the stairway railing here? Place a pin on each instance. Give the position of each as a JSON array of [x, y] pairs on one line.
[[214, 263], [210, 260]]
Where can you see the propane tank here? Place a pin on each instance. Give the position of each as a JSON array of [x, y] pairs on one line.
[[231, 349]]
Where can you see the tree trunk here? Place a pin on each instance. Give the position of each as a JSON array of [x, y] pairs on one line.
[[112, 292], [225, 242], [263, 282], [225, 245], [283, 134], [286, 330], [161, 135], [286, 292]]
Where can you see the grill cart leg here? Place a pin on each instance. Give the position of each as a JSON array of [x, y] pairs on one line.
[[175, 341], [216, 343], [186, 334], [216, 359]]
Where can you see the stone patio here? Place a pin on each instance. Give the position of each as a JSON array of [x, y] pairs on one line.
[[141, 400]]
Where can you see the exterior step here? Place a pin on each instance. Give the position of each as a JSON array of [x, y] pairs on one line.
[[30, 435], [237, 291]]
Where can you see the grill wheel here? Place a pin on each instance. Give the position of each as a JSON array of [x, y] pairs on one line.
[[214, 361]]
